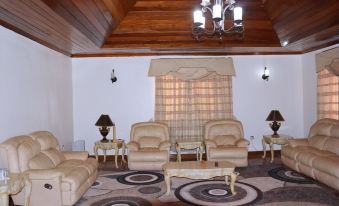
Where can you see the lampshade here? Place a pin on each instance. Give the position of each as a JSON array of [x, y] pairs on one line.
[[275, 116], [104, 121]]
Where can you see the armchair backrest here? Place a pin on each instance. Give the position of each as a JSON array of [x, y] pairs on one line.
[[39, 150], [224, 132], [149, 134], [324, 135]]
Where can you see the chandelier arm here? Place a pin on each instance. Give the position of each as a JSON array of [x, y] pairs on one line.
[[206, 8]]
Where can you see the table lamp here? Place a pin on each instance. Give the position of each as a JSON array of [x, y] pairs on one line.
[[276, 117], [104, 122]]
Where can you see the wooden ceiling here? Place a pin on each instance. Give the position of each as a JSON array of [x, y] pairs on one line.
[[82, 28]]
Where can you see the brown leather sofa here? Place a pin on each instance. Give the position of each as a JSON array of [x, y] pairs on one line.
[[318, 155], [149, 146], [57, 177], [224, 140]]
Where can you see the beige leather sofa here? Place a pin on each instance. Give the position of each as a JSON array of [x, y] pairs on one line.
[[149, 146], [58, 178], [318, 155], [224, 140]]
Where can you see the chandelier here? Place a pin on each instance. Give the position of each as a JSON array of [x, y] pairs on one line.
[[217, 12]]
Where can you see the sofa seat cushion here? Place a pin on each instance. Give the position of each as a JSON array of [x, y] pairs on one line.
[[306, 158], [90, 164], [228, 152], [329, 165], [73, 180], [292, 152], [148, 155]]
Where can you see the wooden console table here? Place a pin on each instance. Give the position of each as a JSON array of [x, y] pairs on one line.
[[119, 144], [198, 145], [200, 170], [271, 140]]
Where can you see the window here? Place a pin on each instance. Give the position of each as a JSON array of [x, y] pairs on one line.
[[186, 105], [328, 95]]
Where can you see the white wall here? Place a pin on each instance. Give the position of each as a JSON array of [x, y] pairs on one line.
[[35, 89], [131, 98]]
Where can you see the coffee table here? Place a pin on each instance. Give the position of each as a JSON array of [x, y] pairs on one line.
[[200, 170]]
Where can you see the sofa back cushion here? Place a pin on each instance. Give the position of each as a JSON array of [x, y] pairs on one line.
[[26, 151], [46, 139], [149, 129], [9, 152], [318, 141], [332, 145], [224, 140], [149, 142], [41, 161], [226, 128], [54, 155]]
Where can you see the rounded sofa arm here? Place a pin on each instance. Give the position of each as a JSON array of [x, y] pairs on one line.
[[69, 155], [242, 143], [133, 146], [298, 142], [165, 145], [210, 143]]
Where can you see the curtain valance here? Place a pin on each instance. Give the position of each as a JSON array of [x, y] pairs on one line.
[[191, 68], [328, 60]]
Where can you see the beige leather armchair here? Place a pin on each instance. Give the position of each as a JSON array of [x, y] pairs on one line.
[[149, 146], [58, 178], [224, 140]]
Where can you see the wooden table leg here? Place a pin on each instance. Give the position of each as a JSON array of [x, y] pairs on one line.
[[264, 147], [168, 183], [123, 152], [28, 189], [201, 151], [178, 153], [96, 152], [233, 179], [272, 152], [116, 152], [4, 199], [104, 155]]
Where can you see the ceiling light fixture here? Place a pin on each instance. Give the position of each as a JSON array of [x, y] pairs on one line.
[[217, 11]]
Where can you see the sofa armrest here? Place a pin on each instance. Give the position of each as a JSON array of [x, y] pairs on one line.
[[165, 145], [298, 142], [69, 155], [133, 146], [210, 144], [46, 174], [242, 143]]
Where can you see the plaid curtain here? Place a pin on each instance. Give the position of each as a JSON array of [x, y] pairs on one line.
[[186, 105], [328, 95]]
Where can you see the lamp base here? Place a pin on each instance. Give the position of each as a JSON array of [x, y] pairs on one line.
[[275, 127], [104, 140]]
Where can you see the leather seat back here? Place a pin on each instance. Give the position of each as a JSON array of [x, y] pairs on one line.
[[224, 132], [149, 134], [324, 135]]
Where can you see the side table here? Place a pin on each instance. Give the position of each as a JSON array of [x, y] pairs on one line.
[[14, 185], [198, 145], [116, 145], [271, 140]]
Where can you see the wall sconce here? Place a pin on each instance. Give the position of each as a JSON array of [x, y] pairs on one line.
[[266, 74], [113, 77]]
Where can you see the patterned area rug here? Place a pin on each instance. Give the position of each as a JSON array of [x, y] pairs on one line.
[[268, 185]]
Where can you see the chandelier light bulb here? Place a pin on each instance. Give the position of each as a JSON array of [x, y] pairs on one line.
[[198, 18], [217, 12], [205, 2], [237, 14]]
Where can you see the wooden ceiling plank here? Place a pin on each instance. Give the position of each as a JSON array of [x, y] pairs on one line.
[[40, 30], [90, 12], [70, 13]]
